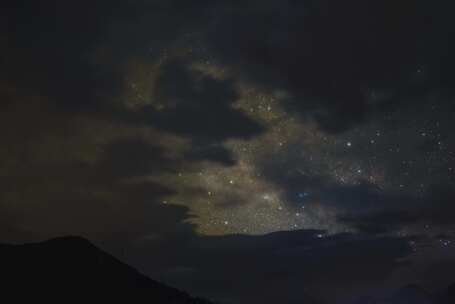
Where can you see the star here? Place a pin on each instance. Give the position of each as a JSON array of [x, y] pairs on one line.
[[302, 194], [266, 197]]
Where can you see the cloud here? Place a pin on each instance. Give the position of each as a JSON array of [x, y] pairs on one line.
[[215, 153], [433, 211], [343, 62], [197, 106]]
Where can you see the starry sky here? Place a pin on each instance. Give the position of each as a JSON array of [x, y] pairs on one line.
[[241, 151]]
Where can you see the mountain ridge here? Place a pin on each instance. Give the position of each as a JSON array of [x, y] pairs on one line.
[[73, 267]]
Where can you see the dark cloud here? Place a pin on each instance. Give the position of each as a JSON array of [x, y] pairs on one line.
[[76, 198], [80, 66], [211, 152], [198, 106], [134, 158], [49, 51], [341, 61], [434, 210]]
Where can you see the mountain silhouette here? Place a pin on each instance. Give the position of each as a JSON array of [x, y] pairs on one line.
[[413, 294], [72, 268]]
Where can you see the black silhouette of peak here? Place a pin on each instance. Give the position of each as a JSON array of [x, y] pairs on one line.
[[69, 268]]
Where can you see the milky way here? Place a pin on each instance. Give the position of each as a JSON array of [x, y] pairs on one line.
[[270, 186]]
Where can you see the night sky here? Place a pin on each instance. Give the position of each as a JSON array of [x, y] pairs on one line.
[[273, 151]]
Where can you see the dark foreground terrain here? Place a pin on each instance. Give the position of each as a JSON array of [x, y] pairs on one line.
[[413, 294], [72, 269]]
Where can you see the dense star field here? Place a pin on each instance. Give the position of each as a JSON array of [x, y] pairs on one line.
[[274, 151]]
